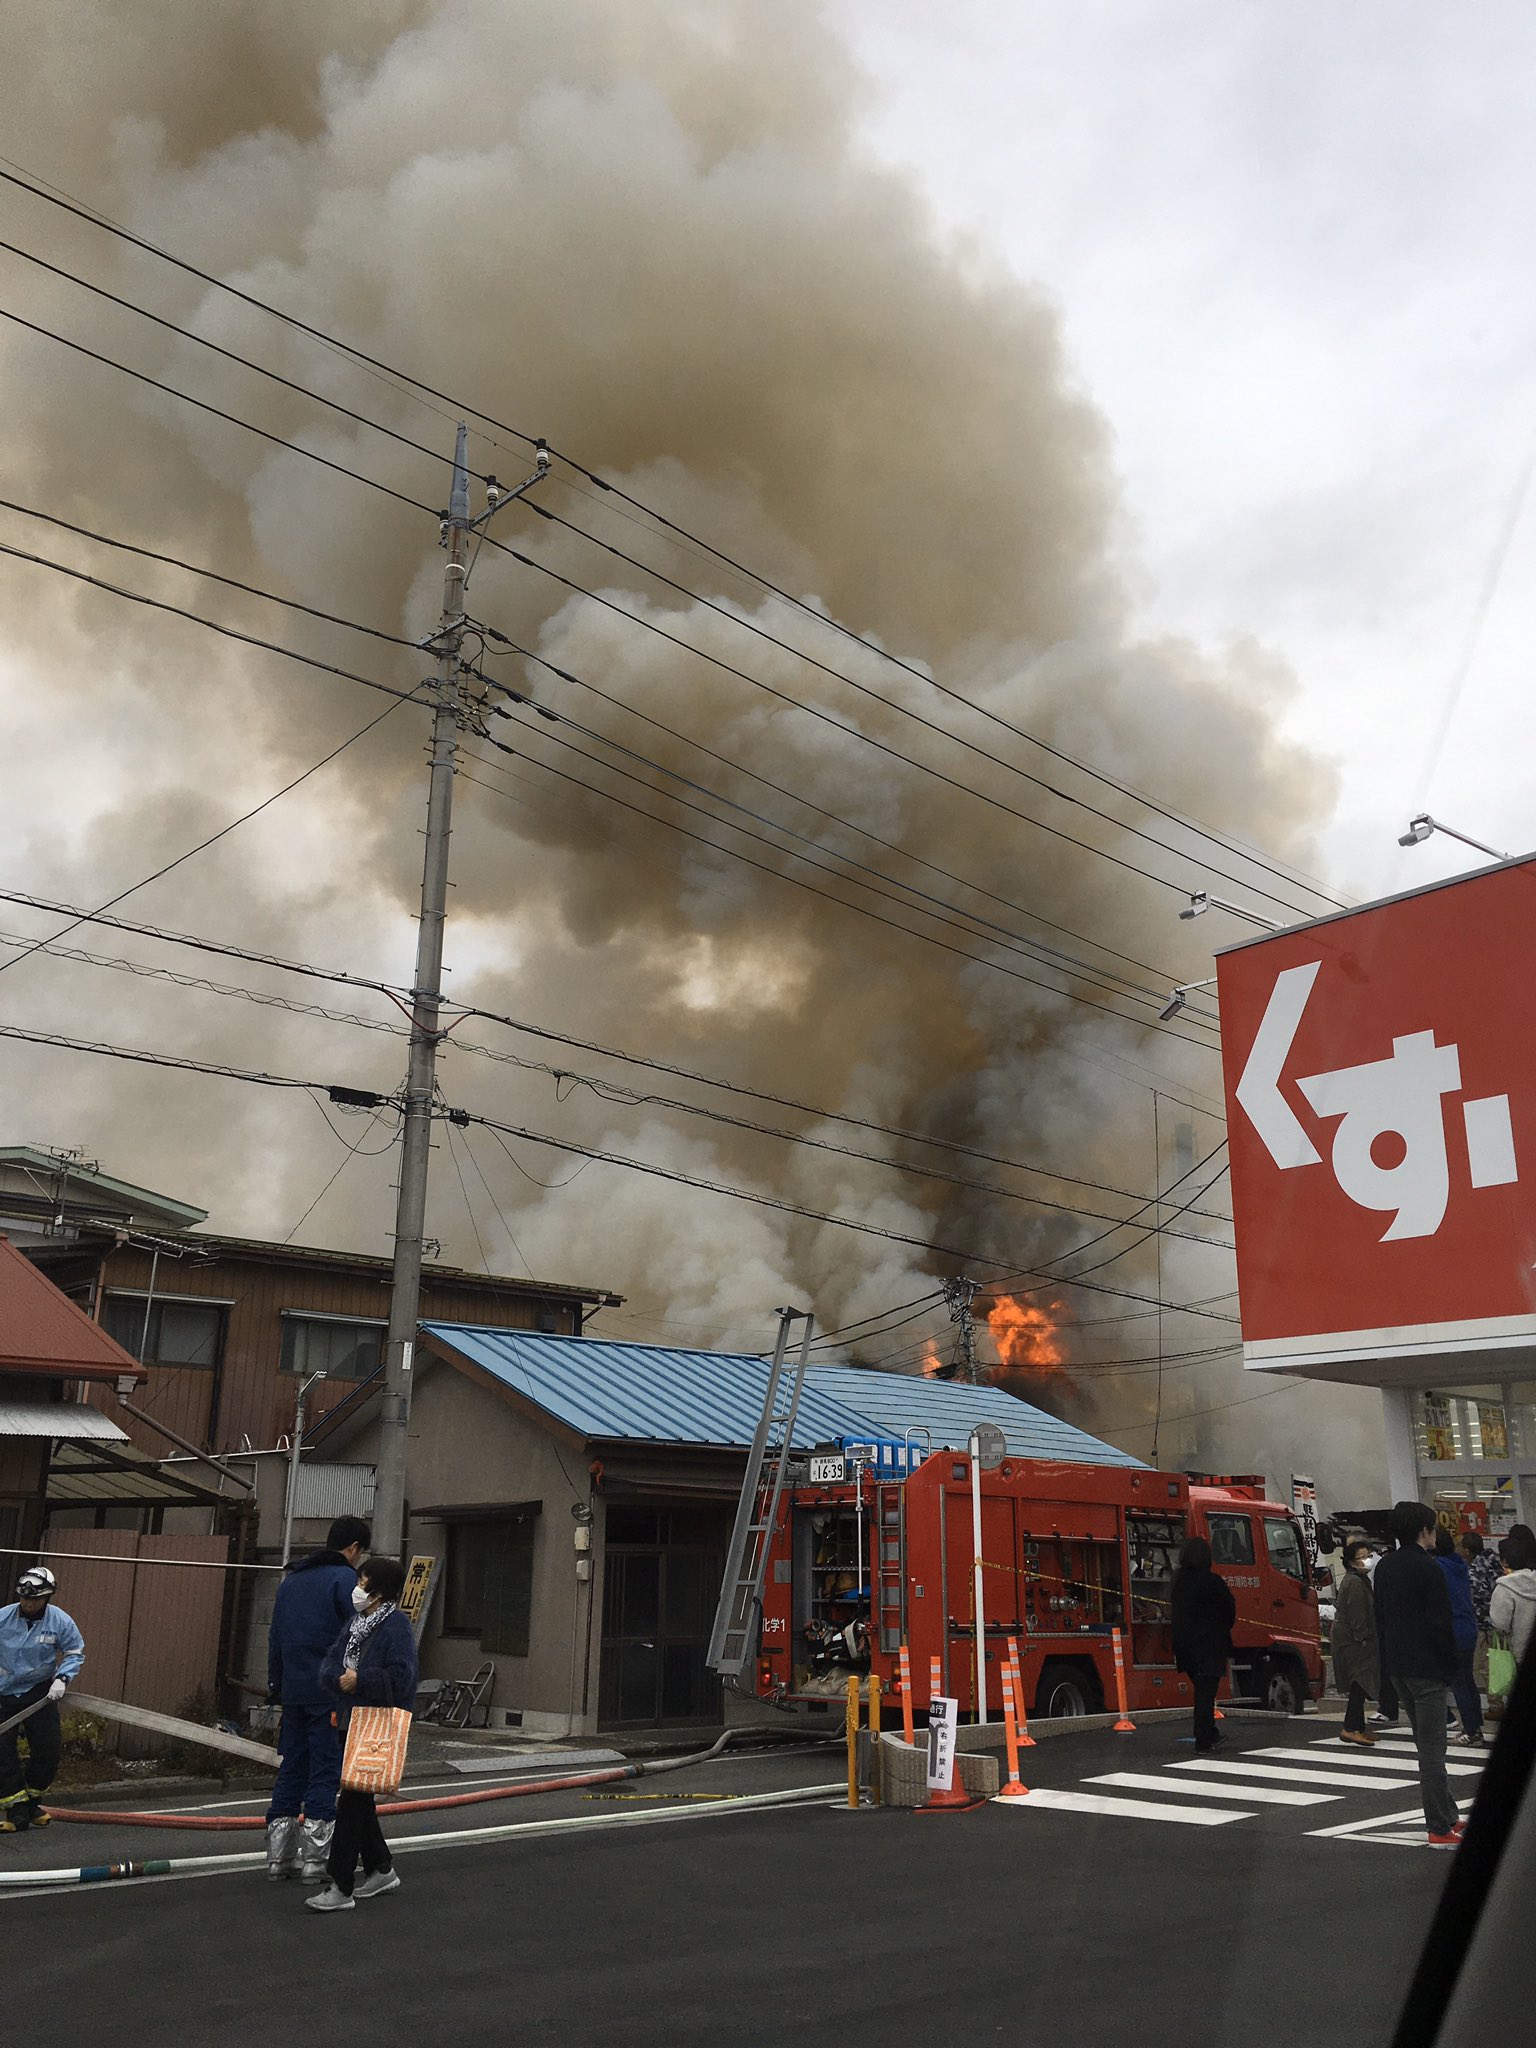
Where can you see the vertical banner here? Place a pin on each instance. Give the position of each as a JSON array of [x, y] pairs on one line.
[[1439, 1438], [943, 1714], [1493, 1429], [415, 1601], [1304, 1508]]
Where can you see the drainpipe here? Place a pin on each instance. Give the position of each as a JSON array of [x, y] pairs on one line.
[[293, 1461]]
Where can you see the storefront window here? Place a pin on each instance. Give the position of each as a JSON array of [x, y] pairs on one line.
[[1468, 1425]]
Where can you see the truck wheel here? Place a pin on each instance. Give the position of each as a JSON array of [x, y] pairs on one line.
[[1283, 1688], [1066, 1692]]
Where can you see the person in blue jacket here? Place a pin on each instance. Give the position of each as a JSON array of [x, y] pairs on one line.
[[372, 1663], [313, 1601], [1458, 1579], [41, 1650]]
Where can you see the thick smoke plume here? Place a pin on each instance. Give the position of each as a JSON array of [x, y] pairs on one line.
[[647, 230]]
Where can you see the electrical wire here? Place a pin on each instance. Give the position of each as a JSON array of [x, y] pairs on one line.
[[140, 1056], [858, 909], [771, 1201], [398, 379], [779, 789], [891, 704], [88, 917], [349, 1155], [817, 1111], [944, 911], [129, 547], [605, 1091], [729, 668]]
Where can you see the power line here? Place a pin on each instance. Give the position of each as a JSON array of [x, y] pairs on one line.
[[1033, 949], [159, 604], [982, 710], [395, 991], [779, 789], [547, 712], [129, 547], [399, 378], [729, 668], [605, 1091], [139, 1056], [764, 1201], [84, 917], [859, 909]]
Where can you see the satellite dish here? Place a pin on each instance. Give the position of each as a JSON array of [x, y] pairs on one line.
[[988, 1446]]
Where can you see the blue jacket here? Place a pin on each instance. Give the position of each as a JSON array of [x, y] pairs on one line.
[[313, 1601], [1458, 1579], [386, 1670], [35, 1652]]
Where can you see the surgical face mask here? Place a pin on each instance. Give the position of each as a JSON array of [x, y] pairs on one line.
[[360, 1597]]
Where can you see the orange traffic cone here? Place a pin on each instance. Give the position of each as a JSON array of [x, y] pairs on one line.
[[1014, 1789], [1125, 1725], [950, 1798]]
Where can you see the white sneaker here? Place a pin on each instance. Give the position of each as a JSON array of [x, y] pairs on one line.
[[376, 1884], [330, 1901]]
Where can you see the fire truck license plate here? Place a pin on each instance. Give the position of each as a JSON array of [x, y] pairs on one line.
[[828, 1471]]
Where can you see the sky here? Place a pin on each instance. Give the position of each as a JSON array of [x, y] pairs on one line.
[[1291, 249]]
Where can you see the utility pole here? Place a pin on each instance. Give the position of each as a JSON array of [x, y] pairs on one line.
[[449, 716], [426, 1005], [960, 1293]]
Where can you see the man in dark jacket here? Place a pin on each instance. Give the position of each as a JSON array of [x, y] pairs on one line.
[[1418, 1652], [1202, 1613], [313, 1602]]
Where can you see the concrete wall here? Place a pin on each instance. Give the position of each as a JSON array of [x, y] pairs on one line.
[[470, 1448]]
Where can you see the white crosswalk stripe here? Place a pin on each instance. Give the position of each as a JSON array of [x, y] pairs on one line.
[[1293, 1774], [1357, 1760], [1044, 1796], [1262, 1795]]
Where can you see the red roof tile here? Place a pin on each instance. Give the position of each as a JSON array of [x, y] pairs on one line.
[[42, 1330]]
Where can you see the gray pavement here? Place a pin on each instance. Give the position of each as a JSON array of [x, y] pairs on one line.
[[1090, 1913]]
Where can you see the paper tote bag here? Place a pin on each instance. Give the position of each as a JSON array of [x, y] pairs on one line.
[[374, 1759]]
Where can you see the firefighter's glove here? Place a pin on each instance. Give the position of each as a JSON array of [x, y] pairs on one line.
[[57, 1690]]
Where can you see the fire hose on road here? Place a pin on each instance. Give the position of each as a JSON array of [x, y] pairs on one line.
[[224, 1743]]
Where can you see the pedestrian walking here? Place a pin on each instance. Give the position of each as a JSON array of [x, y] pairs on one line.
[[1418, 1651], [1203, 1612], [1356, 1664], [1512, 1605], [372, 1663], [41, 1650], [1482, 1577], [313, 1602], [1458, 1583]]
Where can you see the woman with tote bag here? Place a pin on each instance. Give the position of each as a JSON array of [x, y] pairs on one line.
[[371, 1670]]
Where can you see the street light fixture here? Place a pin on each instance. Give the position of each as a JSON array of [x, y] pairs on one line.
[[294, 1449], [1180, 996], [1202, 901], [1421, 827]]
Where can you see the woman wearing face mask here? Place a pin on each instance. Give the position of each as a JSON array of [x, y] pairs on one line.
[[372, 1663]]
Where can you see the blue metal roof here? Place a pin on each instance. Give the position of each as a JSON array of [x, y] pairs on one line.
[[648, 1394]]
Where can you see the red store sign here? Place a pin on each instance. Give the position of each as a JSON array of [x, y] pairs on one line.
[[1381, 1099]]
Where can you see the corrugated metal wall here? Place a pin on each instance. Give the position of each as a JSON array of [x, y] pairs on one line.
[[248, 1397], [151, 1631]]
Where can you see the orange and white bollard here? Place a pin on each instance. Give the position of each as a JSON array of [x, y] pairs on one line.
[[1015, 1788], [935, 1677], [1125, 1725], [904, 1672], [1026, 1740]]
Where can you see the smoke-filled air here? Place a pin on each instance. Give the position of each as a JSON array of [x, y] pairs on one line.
[[648, 231]]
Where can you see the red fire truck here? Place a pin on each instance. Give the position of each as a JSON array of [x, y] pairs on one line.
[[872, 1547]]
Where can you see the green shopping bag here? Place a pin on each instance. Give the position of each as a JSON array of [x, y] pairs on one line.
[[1501, 1667]]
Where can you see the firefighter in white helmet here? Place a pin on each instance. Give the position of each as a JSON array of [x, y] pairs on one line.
[[41, 1650]]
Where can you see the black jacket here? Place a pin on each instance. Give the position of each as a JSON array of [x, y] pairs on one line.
[[1414, 1625], [1413, 1617], [1203, 1614], [386, 1670]]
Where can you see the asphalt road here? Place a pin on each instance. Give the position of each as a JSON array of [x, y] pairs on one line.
[[1058, 1925]]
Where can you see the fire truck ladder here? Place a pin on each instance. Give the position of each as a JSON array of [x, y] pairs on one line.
[[890, 1599], [733, 1638]]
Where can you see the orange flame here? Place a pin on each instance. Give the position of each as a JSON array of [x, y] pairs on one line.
[[932, 1362], [1027, 1338]]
